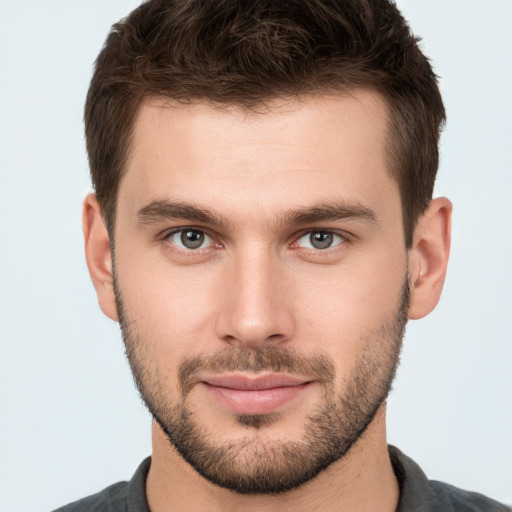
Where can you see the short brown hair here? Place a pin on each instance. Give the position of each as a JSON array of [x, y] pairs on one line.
[[247, 52]]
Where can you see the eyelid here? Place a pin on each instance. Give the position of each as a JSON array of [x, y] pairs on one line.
[[346, 238], [166, 235]]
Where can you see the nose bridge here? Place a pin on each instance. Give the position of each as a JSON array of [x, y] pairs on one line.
[[255, 306]]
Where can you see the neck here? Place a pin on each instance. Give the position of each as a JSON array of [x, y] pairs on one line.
[[362, 480]]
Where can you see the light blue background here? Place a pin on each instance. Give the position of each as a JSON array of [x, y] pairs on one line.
[[71, 422]]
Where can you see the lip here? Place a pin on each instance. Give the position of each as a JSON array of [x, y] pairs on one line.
[[261, 394]]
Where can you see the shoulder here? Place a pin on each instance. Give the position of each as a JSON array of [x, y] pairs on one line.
[[419, 494], [121, 497], [111, 499], [464, 501]]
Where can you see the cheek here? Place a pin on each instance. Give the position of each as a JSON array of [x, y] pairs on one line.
[[349, 304], [169, 307]]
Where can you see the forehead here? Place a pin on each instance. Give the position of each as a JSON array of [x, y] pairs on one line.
[[289, 153]]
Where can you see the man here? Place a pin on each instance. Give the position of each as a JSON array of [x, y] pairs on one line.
[[263, 227]]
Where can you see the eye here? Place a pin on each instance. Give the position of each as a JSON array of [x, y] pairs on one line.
[[319, 240], [190, 239]]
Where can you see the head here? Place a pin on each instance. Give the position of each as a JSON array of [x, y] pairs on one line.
[[264, 171]]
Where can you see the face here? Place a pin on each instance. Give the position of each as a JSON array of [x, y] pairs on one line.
[[261, 282]]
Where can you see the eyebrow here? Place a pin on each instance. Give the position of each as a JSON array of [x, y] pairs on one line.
[[160, 211], [330, 211]]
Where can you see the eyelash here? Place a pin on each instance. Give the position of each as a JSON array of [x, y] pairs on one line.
[[342, 237], [345, 238], [187, 251]]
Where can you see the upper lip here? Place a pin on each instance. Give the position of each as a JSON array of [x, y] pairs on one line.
[[254, 383]]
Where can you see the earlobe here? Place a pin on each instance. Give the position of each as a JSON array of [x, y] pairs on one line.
[[98, 255], [428, 257]]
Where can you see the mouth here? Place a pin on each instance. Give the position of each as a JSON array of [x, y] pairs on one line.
[[261, 394]]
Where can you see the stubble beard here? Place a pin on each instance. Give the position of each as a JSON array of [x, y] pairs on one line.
[[256, 464]]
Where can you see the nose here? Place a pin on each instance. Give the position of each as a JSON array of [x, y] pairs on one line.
[[255, 302]]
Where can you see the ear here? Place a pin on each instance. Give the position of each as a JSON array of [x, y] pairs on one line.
[[98, 255], [428, 257]]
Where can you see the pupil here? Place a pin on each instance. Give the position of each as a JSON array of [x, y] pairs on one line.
[[192, 239], [321, 239]]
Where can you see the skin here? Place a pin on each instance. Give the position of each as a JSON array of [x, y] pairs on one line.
[[256, 282]]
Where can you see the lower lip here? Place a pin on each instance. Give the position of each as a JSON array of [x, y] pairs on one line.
[[261, 401]]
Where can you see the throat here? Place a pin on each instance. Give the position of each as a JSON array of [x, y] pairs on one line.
[[362, 480]]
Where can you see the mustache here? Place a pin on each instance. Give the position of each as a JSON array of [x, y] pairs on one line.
[[318, 367]]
